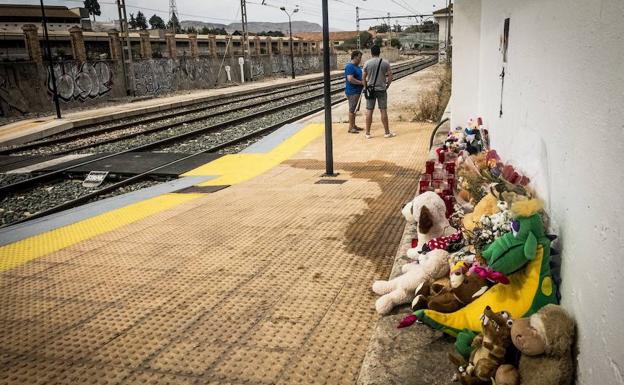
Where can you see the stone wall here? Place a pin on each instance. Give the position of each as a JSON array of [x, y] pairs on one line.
[[27, 87]]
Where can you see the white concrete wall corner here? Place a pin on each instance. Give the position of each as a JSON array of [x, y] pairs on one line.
[[466, 35], [563, 125]]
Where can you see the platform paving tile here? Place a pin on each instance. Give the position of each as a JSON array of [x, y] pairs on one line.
[[265, 282]]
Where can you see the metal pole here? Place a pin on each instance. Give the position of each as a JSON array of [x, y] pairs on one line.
[[329, 156], [51, 66], [129, 45], [448, 30], [123, 55], [292, 54], [357, 26]]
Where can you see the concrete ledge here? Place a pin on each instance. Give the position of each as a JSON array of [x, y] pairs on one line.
[[26, 131], [417, 355]]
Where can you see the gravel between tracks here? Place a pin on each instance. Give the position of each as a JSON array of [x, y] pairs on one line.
[[23, 205]]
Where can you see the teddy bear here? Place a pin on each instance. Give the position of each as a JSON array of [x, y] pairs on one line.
[[463, 289], [490, 348], [545, 343], [428, 212], [400, 290], [488, 205]]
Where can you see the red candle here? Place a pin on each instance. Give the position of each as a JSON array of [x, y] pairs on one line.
[[450, 167], [448, 202], [441, 156], [450, 181], [429, 166]]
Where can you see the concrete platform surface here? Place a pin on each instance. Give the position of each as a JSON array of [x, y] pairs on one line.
[[265, 282]]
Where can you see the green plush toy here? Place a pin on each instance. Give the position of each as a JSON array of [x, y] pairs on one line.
[[514, 249]]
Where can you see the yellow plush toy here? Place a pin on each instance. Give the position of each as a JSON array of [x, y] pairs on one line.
[[488, 205]]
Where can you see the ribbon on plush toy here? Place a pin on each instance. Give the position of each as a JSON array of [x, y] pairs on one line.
[[489, 274], [442, 242]]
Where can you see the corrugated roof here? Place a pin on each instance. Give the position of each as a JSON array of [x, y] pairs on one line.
[[18, 10]]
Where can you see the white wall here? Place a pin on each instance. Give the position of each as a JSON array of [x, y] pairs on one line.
[[563, 124]]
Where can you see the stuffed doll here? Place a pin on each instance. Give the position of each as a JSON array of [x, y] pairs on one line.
[[428, 211], [514, 249], [490, 347], [545, 341], [400, 290], [464, 288]]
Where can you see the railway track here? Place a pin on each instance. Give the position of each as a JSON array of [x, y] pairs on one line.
[[191, 136]]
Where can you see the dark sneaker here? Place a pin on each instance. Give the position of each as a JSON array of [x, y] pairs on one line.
[[353, 131]]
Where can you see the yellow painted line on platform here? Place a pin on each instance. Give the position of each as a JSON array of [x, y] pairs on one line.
[[237, 168], [20, 252]]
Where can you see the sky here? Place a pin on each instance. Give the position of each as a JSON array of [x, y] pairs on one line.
[[341, 12]]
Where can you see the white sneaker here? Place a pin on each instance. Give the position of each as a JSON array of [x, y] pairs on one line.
[[390, 135], [368, 136]]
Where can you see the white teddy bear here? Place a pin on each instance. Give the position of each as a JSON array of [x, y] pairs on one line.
[[428, 211], [400, 290]]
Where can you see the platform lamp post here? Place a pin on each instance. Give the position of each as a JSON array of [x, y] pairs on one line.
[[51, 65], [329, 155], [292, 54]]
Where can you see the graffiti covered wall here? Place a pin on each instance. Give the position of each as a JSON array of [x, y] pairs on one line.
[[27, 87], [81, 81]]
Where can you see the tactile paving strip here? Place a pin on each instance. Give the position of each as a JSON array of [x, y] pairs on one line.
[[267, 282]]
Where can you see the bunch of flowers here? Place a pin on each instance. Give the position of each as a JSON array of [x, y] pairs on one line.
[[489, 228]]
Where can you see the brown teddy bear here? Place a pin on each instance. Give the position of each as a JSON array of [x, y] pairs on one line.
[[490, 348], [463, 288], [545, 341]]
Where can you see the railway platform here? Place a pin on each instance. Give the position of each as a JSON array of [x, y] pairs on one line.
[[257, 272]]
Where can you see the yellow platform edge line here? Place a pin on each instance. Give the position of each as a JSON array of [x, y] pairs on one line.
[[237, 168], [231, 169], [20, 252]]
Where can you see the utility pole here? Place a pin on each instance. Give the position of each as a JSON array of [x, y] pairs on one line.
[[329, 155], [245, 45], [173, 10], [123, 54], [51, 66], [389, 27], [129, 46], [357, 26]]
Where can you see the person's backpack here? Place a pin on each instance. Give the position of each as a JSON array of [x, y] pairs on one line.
[[369, 91]]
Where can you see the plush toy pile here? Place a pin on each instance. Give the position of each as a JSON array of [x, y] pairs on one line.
[[480, 268]]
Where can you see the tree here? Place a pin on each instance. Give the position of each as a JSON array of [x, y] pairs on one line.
[[394, 42], [157, 22], [141, 21], [271, 33], [174, 24], [191, 29], [397, 28], [382, 28], [93, 7], [366, 39], [132, 22]]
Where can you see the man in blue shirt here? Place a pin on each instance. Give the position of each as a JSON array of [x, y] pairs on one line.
[[353, 87]]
